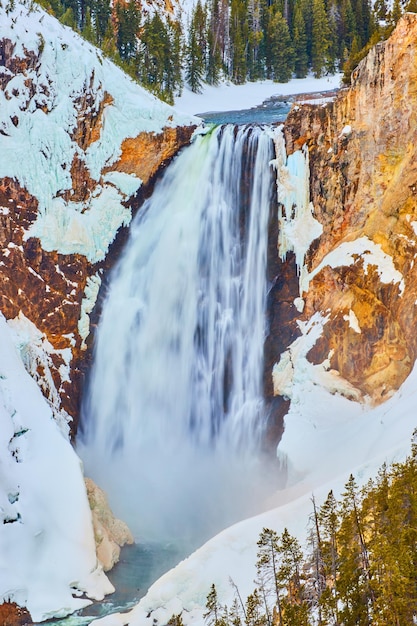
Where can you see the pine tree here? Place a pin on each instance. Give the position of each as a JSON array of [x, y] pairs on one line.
[[239, 32], [294, 606], [127, 27], [353, 582], [255, 61], [175, 620], [315, 566], [282, 52], [307, 13], [335, 51], [88, 31], [254, 615], [101, 12], [329, 526], [214, 38], [196, 49], [212, 614], [320, 38], [300, 43], [267, 567], [396, 12]]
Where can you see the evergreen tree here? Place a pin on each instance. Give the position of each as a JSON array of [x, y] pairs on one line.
[[254, 615], [127, 27], [381, 9], [214, 41], [329, 525], [175, 620], [159, 58], [256, 35], [335, 51], [88, 31], [267, 568], [68, 18], [101, 12], [300, 43], [196, 49], [282, 51], [213, 608], [353, 586], [320, 38], [239, 33], [396, 12]]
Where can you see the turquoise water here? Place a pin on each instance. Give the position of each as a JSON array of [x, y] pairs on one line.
[[138, 568], [270, 112]]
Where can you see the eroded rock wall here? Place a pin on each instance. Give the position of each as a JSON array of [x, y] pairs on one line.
[[360, 272], [64, 211]]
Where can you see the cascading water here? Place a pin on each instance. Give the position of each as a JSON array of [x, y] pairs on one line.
[[174, 416]]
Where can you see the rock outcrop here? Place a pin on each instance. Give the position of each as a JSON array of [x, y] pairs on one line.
[[110, 533], [13, 615], [359, 273], [81, 145]]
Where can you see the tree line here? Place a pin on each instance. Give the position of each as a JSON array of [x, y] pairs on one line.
[[236, 40], [358, 568]]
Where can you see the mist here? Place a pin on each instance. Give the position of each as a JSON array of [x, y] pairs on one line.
[[174, 417]]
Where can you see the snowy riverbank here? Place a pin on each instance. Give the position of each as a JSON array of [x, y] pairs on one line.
[[229, 97]]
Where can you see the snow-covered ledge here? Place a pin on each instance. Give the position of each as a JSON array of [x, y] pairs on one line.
[[46, 535]]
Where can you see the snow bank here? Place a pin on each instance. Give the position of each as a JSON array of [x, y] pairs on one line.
[[325, 436], [47, 550], [39, 112], [351, 252], [297, 225], [229, 97]]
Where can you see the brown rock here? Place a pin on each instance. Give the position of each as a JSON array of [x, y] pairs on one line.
[[363, 183], [47, 287], [13, 615]]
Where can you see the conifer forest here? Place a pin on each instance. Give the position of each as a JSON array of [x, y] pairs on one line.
[[235, 40], [358, 568]]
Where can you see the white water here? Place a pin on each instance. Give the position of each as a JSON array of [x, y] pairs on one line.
[[174, 417]]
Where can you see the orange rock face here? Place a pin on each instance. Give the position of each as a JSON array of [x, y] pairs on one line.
[[13, 615], [363, 184]]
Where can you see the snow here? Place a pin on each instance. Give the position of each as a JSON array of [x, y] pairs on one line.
[[39, 111], [47, 550], [37, 355], [351, 252], [87, 305], [297, 226], [353, 321], [347, 130], [229, 97], [326, 438]]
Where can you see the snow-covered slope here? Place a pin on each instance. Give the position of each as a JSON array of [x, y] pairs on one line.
[[78, 138], [40, 116], [47, 551], [326, 438]]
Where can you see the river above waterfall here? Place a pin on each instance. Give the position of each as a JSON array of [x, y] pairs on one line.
[[271, 112]]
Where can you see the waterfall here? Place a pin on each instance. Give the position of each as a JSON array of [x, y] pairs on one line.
[[174, 415]]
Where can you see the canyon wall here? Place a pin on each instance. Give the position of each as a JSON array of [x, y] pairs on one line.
[[81, 145], [358, 271]]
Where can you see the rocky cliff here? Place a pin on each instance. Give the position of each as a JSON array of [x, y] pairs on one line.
[[354, 233], [81, 143]]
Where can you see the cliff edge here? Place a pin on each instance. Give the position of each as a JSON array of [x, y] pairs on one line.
[[354, 233]]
